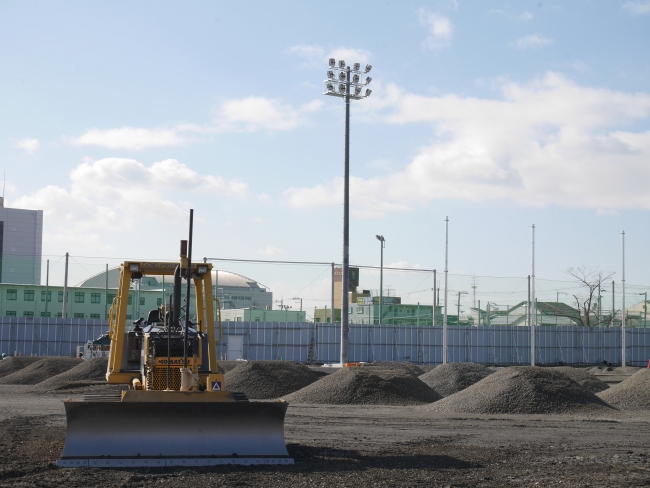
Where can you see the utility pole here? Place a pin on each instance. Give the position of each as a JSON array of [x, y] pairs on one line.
[[458, 306], [623, 348], [613, 303], [332, 309], [434, 299], [474, 291], [533, 311], [47, 285], [444, 317], [382, 242], [64, 312]]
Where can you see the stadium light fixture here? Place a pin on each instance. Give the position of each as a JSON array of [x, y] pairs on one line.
[[350, 87]]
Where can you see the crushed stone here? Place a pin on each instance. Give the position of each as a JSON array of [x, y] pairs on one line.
[[451, 378], [225, 366], [398, 366], [523, 390], [16, 363], [602, 369], [366, 386], [631, 394], [89, 372], [40, 370], [264, 380], [584, 378]]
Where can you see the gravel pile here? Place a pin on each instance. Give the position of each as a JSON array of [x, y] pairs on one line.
[[366, 386], [88, 373], [614, 370], [397, 366], [13, 364], [631, 394], [40, 370], [263, 380], [225, 366], [522, 390], [451, 378], [584, 378]]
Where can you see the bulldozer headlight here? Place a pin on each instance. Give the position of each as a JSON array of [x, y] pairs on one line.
[[202, 270], [134, 268]]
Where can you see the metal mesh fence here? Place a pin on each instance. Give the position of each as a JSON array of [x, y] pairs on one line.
[[319, 343]]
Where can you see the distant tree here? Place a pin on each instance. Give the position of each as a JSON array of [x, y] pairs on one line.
[[586, 301]]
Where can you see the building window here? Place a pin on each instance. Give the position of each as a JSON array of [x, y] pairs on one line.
[[128, 317], [359, 309], [61, 297], [10, 313], [12, 294], [79, 296], [95, 298], [49, 296], [45, 314], [79, 316], [159, 301], [141, 300], [29, 315], [29, 295], [110, 298], [94, 316], [130, 299], [59, 315]]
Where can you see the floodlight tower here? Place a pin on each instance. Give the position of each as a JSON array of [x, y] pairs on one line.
[[346, 79]]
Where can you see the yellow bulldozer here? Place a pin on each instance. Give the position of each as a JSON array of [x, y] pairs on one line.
[[176, 409]]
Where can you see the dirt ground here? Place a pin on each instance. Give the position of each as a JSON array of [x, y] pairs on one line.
[[340, 446]]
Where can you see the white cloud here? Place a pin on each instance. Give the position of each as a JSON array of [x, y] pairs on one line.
[[239, 115], [532, 42], [637, 8], [317, 56], [114, 194], [524, 17], [255, 113], [28, 145], [272, 251], [131, 138], [440, 30], [547, 142]]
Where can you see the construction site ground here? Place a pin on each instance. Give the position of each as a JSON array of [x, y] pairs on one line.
[[360, 446]]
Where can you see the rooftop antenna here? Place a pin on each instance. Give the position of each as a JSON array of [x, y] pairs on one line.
[[3, 187]]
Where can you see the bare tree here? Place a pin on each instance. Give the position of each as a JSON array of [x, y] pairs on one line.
[[588, 312]]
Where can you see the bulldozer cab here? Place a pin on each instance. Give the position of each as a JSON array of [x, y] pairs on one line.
[[150, 355]]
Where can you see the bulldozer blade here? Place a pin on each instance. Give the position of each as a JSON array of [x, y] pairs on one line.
[[107, 434]]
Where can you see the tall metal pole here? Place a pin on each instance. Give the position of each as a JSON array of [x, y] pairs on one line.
[[434, 299], [613, 303], [382, 242], [345, 329], [47, 284], [623, 303], [64, 312], [332, 310], [444, 317], [533, 311]]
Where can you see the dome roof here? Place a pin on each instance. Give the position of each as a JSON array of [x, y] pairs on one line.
[[224, 279]]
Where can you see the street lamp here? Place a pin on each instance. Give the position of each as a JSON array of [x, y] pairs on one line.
[[345, 82], [382, 241]]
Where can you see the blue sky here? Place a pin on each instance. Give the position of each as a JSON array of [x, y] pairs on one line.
[[117, 117]]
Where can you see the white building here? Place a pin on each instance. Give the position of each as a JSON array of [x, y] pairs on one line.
[[21, 245]]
